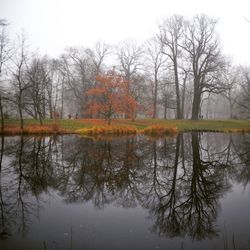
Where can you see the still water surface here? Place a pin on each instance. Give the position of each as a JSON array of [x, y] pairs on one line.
[[191, 191]]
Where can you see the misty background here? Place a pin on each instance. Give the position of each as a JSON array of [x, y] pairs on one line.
[[52, 51]]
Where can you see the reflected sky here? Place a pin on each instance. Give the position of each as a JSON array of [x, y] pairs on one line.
[[67, 192]]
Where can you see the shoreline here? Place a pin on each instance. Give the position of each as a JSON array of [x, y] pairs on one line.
[[124, 127]]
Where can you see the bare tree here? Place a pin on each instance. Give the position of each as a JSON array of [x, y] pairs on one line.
[[155, 62], [129, 56], [230, 76], [167, 97], [75, 66], [97, 56], [4, 42], [244, 99], [204, 55], [56, 81], [19, 81], [79, 67], [40, 94], [5, 54], [171, 34]]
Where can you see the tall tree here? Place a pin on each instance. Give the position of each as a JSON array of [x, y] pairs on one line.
[[98, 56], [129, 56], [230, 77], [19, 81], [39, 94], [56, 83], [76, 67], [171, 34], [79, 67], [155, 62], [4, 57], [204, 55], [244, 99]]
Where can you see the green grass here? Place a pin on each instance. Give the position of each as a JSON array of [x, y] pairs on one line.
[[71, 126], [189, 125], [66, 124]]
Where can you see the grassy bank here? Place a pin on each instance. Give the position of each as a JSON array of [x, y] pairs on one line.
[[124, 126]]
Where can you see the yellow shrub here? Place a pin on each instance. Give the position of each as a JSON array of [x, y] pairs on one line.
[[107, 130], [159, 130]]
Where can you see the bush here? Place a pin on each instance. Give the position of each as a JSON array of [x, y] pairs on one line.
[[155, 130], [108, 130]]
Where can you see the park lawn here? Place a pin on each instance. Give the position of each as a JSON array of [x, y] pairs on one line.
[[74, 126], [68, 125], [181, 125]]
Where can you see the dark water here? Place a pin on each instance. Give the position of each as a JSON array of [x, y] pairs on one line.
[[67, 192]]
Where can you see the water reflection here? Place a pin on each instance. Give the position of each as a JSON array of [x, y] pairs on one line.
[[179, 181]]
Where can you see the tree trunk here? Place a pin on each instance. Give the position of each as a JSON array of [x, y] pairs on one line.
[[20, 113], [1, 152], [165, 110], [1, 113], [177, 90], [195, 109], [155, 99], [35, 110], [183, 96], [40, 119], [62, 101], [196, 104], [231, 108]]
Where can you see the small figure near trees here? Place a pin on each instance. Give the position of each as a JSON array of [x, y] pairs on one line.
[[69, 116]]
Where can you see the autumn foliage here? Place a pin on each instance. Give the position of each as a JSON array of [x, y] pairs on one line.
[[33, 129], [111, 96], [158, 130], [108, 130]]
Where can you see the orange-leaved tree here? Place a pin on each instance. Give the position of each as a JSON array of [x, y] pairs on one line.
[[109, 96], [129, 104]]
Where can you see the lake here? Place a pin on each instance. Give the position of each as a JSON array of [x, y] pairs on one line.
[[190, 191]]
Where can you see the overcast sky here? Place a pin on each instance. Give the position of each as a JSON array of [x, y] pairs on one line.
[[52, 25]]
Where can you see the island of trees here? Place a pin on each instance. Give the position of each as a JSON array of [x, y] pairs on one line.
[[180, 72]]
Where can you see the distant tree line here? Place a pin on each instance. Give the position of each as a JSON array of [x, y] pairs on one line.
[[181, 72]]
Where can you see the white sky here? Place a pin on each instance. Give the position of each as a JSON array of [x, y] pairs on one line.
[[52, 25]]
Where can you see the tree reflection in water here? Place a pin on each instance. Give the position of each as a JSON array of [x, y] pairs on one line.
[[178, 180]]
